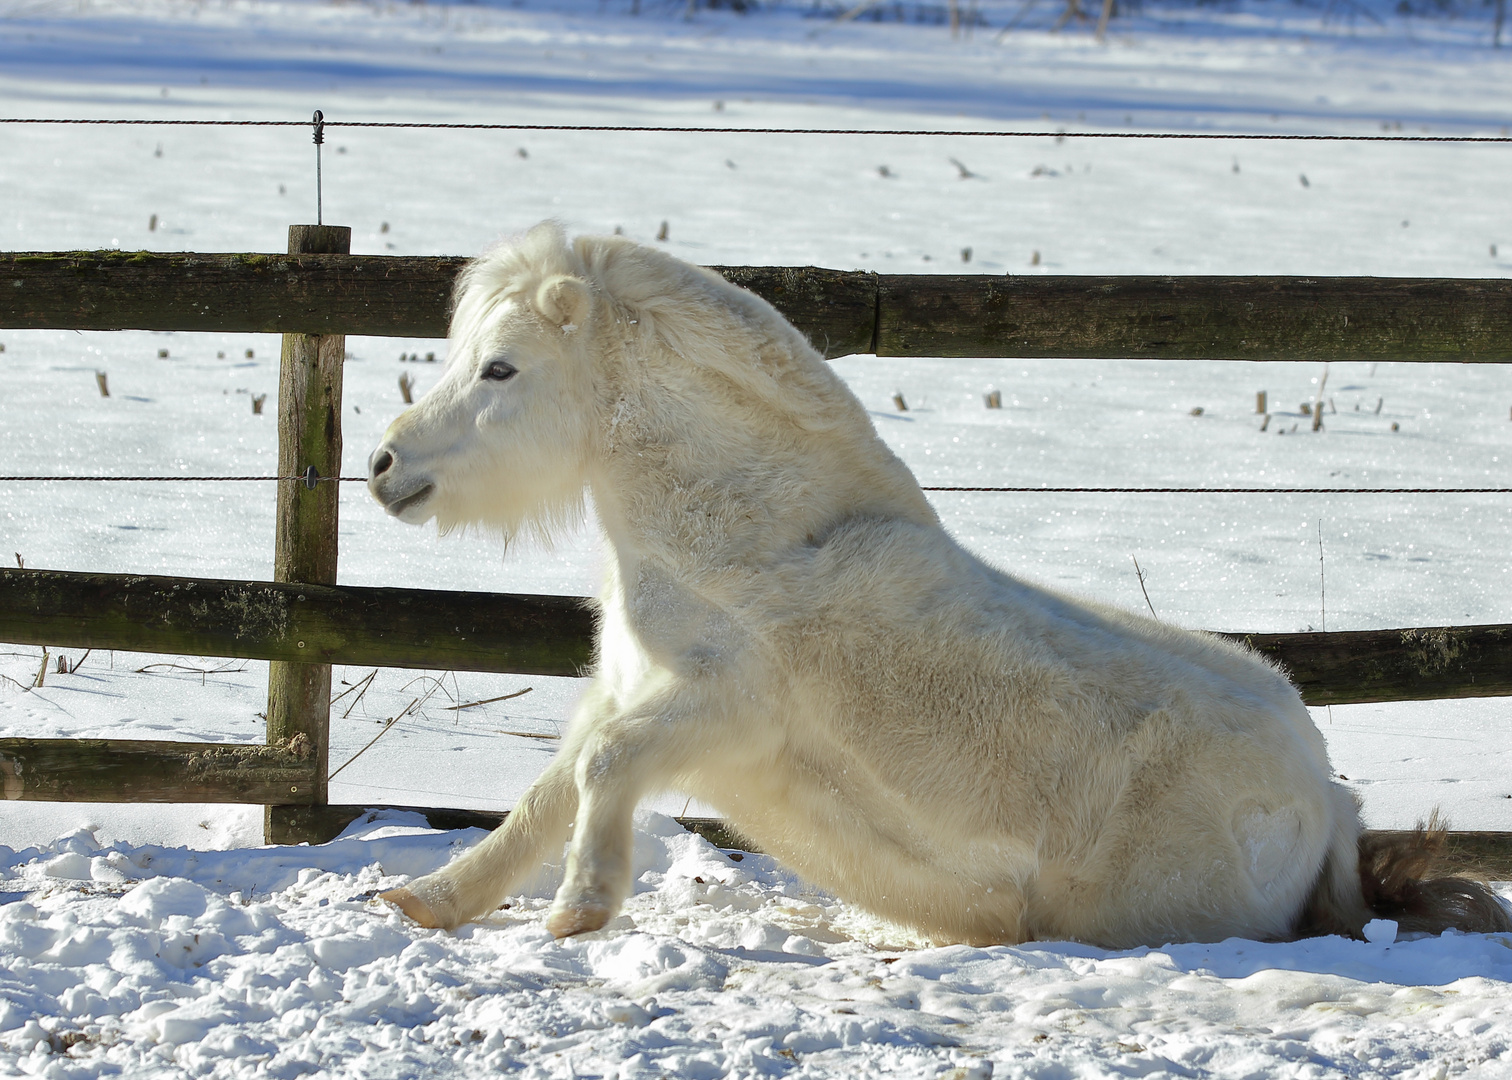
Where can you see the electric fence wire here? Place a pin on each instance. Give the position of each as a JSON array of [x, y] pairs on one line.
[[1042, 490], [1213, 136]]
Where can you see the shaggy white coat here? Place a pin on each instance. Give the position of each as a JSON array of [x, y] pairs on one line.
[[788, 634]]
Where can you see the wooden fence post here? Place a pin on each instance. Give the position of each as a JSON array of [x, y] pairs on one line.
[[309, 436]]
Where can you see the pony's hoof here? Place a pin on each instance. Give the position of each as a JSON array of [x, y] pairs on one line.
[[578, 919], [414, 907]]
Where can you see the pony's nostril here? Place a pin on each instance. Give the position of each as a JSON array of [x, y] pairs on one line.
[[381, 462]]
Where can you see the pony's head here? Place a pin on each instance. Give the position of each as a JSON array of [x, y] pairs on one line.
[[503, 440]]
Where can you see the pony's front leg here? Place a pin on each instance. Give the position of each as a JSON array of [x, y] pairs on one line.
[[477, 883], [625, 757]]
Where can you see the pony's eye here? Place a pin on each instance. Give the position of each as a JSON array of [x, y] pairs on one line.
[[498, 370]]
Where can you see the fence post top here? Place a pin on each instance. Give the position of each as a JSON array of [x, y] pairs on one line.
[[320, 240]]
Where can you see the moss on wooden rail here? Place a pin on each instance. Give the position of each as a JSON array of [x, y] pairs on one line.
[[120, 770], [256, 293], [1216, 318], [264, 620], [1248, 318], [552, 635], [1411, 664]]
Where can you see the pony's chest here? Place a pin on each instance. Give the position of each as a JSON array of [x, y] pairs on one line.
[[657, 621]]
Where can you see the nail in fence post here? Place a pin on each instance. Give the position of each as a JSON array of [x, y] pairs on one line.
[[309, 436]]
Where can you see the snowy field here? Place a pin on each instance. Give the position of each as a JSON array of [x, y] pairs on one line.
[[232, 960]]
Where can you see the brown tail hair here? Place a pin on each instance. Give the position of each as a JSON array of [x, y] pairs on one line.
[[1396, 881]]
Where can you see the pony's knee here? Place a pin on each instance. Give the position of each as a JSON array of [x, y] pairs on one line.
[[602, 758], [621, 754], [548, 805]]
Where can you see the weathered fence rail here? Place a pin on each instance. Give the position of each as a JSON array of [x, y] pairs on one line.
[[303, 622], [1219, 318], [300, 623], [553, 635], [131, 770]]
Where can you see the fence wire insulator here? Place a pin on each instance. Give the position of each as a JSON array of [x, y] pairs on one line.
[[319, 122], [311, 478]]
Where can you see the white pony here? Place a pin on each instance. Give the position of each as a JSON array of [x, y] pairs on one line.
[[787, 633]]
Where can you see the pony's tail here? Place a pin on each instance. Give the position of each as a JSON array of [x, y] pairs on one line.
[[1395, 871], [1394, 879]]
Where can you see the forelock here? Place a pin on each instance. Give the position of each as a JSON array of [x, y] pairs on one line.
[[512, 269]]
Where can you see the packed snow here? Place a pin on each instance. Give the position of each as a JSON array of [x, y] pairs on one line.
[[165, 941]]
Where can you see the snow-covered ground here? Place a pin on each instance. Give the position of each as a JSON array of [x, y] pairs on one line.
[[236, 961], [278, 963]]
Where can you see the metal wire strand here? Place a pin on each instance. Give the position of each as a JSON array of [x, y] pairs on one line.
[[956, 488], [167, 479], [653, 129], [1238, 490]]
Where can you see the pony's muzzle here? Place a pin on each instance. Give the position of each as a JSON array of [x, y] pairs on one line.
[[403, 497]]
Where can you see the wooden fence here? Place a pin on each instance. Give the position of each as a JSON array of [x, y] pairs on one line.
[[303, 622], [1464, 320]]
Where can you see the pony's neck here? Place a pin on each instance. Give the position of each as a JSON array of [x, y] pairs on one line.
[[705, 482]]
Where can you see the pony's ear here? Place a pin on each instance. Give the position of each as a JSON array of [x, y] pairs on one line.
[[564, 300]]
